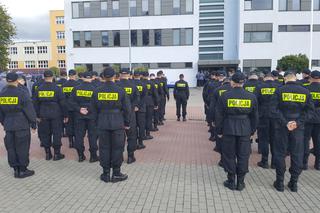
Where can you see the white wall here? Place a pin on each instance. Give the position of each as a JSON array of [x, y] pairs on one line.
[[31, 57]]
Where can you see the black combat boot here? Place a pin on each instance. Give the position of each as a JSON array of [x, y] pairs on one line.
[[293, 184], [105, 176], [148, 136], [16, 171], [24, 172], [220, 163], [184, 119], [317, 164], [117, 176], [48, 153], [240, 183], [131, 158], [81, 156], [160, 123], [57, 155], [263, 164], [93, 157], [230, 183], [278, 184], [178, 119], [71, 142], [140, 145]]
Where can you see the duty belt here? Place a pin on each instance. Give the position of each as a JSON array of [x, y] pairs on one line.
[[292, 115], [110, 111], [237, 116]]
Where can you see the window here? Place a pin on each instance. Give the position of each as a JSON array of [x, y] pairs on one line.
[[213, 56], [316, 63], [176, 7], [157, 7], [59, 20], [29, 64], [133, 7], [189, 6], [145, 37], [61, 49], [145, 7], [116, 38], [293, 5], [115, 8], [42, 49], [43, 64], [76, 39], [13, 51], [164, 65], [60, 35], [86, 9], [13, 65], [188, 64], [316, 4], [133, 37], [294, 28], [252, 37], [75, 10], [87, 39], [105, 38], [258, 5], [211, 35], [28, 50], [211, 42], [61, 63], [104, 8], [157, 37], [189, 36], [176, 37]]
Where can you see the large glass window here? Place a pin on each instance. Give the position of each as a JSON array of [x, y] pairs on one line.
[[316, 4], [282, 5], [87, 38], [176, 7], [133, 7], [176, 37], [116, 38], [115, 8], [157, 37], [30, 64], [252, 37], [134, 38], [61, 49], [189, 36], [28, 50], [104, 8], [13, 65], [42, 49], [145, 7], [75, 10], [105, 38], [86, 9], [60, 20], [60, 35], [189, 6], [157, 7], [13, 51], [294, 28], [145, 37], [258, 4], [294, 5], [43, 64], [76, 39]]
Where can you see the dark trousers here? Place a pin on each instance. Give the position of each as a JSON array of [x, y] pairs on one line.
[[70, 125], [51, 133], [132, 135], [311, 131], [149, 116], [81, 127], [235, 154], [141, 125], [292, 141], [17, 144], [266, 138], [162, 107], [156, 115], [111, 147], [181, 102]]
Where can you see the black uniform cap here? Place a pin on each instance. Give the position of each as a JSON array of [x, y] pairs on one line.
[[72, 72], [12, 77], [125, 71], [94, 73], [160, 73], [315, 74], [238, 77], [48, 74], [306, 71], [221, 73], [152, 75], [80, 75], [63, 73], [275, 73], [137, 73], [87, 75], [145, 73], [108, 72], [289, 73]]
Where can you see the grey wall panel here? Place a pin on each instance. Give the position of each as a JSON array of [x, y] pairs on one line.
[[153, 65], [124, 38], [257, 63], [258, 27], [81, 10], [96, 38], [305, 5], [183, 6], [167, 37], [166, 7], [95, 9], [124, 8], [82, 42], [151, 7], [110, 38], [139, 7], [151, 37], [183, 36], [109, 8], [139, 38]]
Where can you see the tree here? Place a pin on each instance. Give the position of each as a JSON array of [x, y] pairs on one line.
[[80, 69], [116, 68], [55, 70], [7, 31], [293, 62]]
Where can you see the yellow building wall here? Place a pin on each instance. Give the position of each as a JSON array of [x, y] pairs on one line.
[[20, 64], [54, 28]]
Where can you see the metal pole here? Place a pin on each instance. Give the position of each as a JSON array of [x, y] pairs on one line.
[[129, 20], [311, 35]]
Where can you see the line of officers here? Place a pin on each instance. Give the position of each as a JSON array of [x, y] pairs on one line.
[[110, 108], [284, 111]]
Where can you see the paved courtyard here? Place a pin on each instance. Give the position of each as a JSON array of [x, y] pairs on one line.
[[177, 172]]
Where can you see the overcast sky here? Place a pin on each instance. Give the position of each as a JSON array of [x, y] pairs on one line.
[[31, 17]]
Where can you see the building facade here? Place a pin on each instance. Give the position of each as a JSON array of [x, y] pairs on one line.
[[184, 36]]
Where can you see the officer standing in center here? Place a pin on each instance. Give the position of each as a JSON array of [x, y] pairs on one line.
[[181, 95], [113, 118], [236, 119]]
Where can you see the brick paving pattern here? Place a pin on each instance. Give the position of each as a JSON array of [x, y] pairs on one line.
[[177, 172]]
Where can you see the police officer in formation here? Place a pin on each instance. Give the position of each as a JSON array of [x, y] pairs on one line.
[[181, 95], [17, 116]]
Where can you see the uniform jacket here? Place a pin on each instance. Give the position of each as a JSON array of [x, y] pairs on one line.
[[314, 116], [181, 89], [132, 91], [142, 88], [265, 92]]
